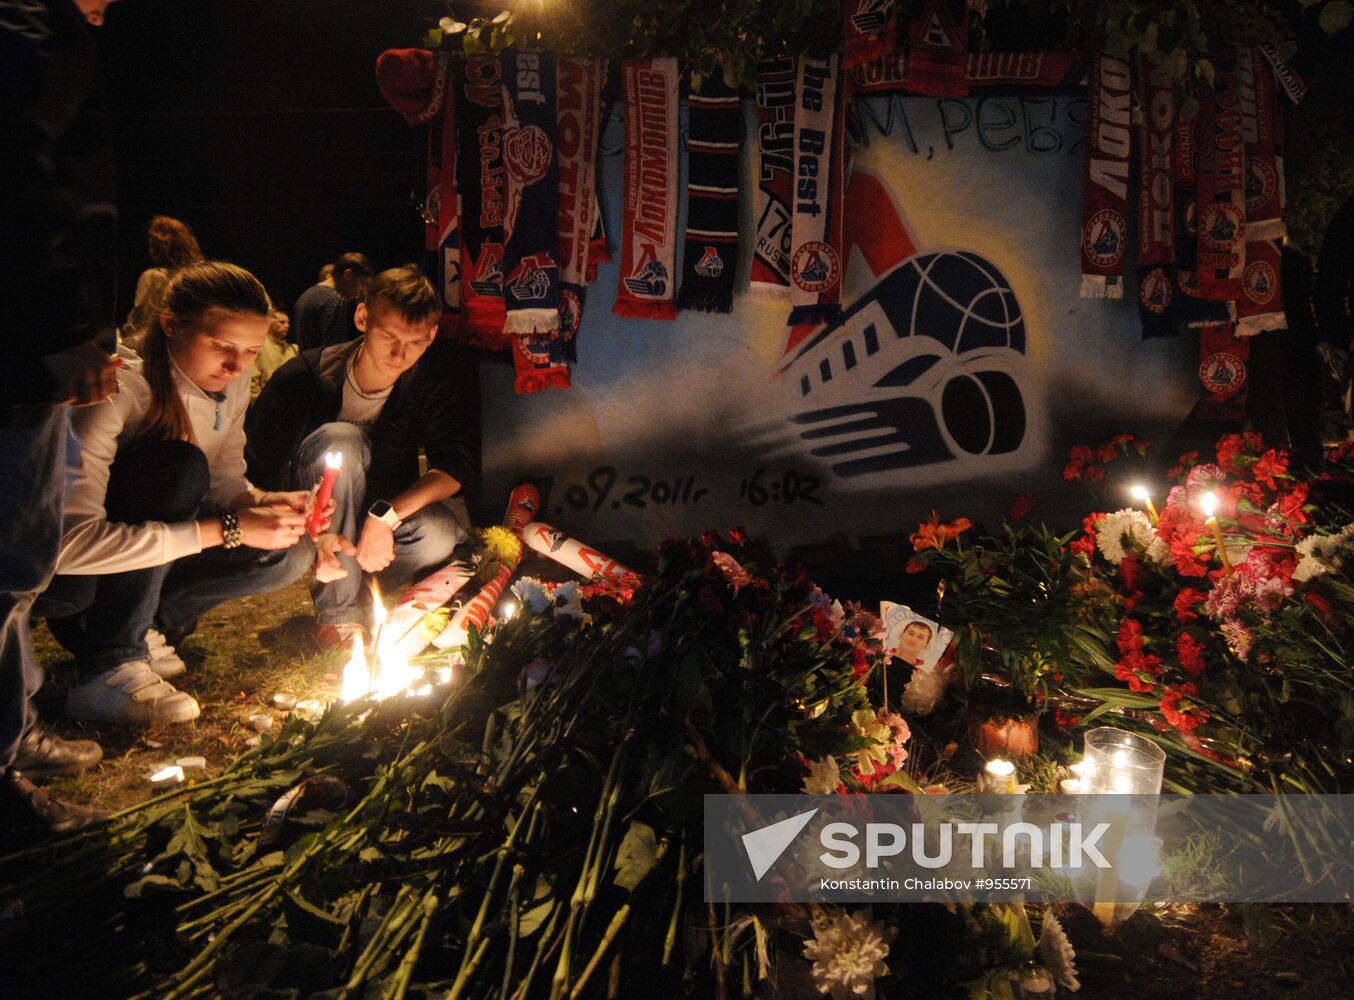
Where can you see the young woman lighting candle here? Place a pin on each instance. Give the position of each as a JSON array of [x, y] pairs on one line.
[[161, 521]]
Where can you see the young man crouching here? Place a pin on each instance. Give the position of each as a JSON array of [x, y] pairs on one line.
[[376, 401]]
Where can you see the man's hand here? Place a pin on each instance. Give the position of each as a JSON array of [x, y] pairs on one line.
[[327, 549], [84, 374], [376, 546]]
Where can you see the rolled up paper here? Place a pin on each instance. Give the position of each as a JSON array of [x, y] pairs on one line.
[[586, 562], [523, 503]]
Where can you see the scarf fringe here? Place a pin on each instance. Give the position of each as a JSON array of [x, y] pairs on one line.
[[1266, 229], [1262, 323], [704, 300], [531, 321], [1099, 286]]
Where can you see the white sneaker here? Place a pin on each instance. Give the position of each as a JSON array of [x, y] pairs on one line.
[[132, 694], [163, 658]]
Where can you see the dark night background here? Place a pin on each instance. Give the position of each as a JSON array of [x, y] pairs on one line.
[[258, 122]]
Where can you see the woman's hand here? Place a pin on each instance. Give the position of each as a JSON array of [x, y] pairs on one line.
[[297, 500], [327, 549], [270, 527]]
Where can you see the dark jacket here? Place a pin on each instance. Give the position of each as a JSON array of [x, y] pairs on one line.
[[57, 214], [435, 405]]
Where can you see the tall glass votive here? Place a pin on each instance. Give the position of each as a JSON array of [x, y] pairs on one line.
[[1128, 768], [1123, 763]]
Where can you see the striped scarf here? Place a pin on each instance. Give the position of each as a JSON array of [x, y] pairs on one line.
[[710, 258]]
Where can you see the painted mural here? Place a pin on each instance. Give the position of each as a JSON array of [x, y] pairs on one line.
[[962, 346]]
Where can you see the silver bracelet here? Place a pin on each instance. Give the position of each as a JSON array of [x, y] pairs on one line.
[[231, 536]]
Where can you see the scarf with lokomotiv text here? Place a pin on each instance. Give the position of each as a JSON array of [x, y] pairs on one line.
[[1104, 191], [649, 234]]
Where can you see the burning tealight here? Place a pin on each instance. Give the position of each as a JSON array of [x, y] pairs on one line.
[[1070, 786], [444, 675], [506, 610], [191, 763], [262, 722], [998, 776], [167, 777], [284, 701]]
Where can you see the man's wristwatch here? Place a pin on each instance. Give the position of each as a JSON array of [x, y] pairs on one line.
[[383, 512], [231, 536]]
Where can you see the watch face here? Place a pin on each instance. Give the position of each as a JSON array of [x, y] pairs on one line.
[[380, 509]]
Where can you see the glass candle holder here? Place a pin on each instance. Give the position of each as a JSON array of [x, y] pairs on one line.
[[1122, 763]]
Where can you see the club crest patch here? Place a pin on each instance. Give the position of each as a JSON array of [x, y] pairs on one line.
[[815, 267], [526, 153], [1103, 238]]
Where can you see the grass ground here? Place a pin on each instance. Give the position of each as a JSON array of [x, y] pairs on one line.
[[241, 655], [245, 652]]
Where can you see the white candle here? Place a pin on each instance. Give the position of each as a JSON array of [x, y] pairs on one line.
[[167, 777], [192, 763], [999, 776]]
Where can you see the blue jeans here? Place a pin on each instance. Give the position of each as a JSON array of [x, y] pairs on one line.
[[103, 619], [32, 495], [423, 542]]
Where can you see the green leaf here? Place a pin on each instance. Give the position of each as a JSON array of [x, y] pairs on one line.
[[636, 856], [153, 882], [534, 918]]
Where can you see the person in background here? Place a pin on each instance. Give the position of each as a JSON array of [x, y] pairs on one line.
[[170, 244], [276, 352], [376, 400], [324, 313], [326, 272], [58, 218], [161, 523]]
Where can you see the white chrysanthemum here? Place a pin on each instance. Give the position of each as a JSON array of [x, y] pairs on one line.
[[1321, 554], [848, 952], [532, 593], [923, 691], [569, 600], [1126, 527], [1057, 953], [824, 776], [865, 723]]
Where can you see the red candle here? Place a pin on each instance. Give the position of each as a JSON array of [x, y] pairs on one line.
[[332, 461]]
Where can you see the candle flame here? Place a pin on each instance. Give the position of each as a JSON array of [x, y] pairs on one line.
[[1138, 491], [333, 459], [1001, 768], [1208, 503], [378, 606], [356, 677]]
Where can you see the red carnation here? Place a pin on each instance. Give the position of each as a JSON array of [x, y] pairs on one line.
[[1139, 670], [1184, 603], [1180, 709], [1130, 636], [1191, 654], [1272, 464]]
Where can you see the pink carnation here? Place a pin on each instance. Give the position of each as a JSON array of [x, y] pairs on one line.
[[733, 572]]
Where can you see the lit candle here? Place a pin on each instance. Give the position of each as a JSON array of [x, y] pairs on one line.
[[1208, 503], [167, 777], [1140, 493], [332, 461], [999, 776]]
